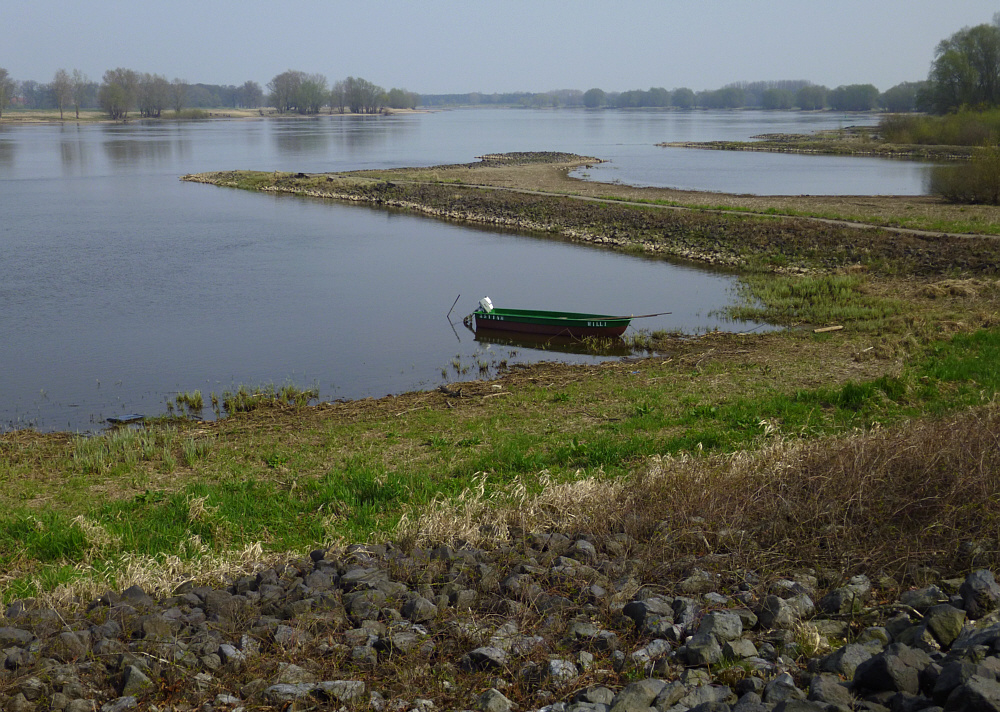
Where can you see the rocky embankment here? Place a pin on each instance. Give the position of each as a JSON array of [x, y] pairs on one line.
[[554, 622]]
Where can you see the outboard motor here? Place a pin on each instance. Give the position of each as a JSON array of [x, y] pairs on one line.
[[486, 304]]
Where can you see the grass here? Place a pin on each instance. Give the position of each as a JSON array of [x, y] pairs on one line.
[[813, 299], [326, 478], [705, 425]]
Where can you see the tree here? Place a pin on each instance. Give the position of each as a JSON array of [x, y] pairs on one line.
[[401, 99], [62, 90], [250, 95], [338, 96], [7, 86], [81, 84], [153, 93], [966, 70], [178, 93], [902, 97], [593, 98], [811, 97], [658, 96], [118, 92], [362, 96], [284, 90], [777, 99], [682, 98], [854, 97], [312, 94]]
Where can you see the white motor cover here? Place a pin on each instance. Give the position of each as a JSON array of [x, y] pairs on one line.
[[486, 304]]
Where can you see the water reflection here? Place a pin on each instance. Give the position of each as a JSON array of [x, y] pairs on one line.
[[73, 150], [133, 147], [7, 150], [604, 346], [301, 136]]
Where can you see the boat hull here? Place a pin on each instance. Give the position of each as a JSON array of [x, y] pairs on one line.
[[571, 324]]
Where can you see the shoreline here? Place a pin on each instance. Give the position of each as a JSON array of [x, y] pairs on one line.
[[94, 116], [564, 537]]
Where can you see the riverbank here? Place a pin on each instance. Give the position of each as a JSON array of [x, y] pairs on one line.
[[849, 141], [700, 468], [94, 116]]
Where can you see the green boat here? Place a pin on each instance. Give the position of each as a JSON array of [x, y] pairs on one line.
[[550, 323]]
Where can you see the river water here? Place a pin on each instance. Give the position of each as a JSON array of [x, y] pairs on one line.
[[122, 286]]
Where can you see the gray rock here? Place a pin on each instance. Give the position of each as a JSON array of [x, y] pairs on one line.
[[66, 647], [751, 702], [134, 681], [686, 612], [923, 598], [849, 598], [782, 688], [562, 671], [980, 593], [420, 610], [897, 670], [340, 690], [81, 705], [15, 637], [798, 705], [278, 694], [722, 626], [829, 689], [775, 612], [289, 674], [979, 694], [595, 694], [120, 704], [703, 649], [707, 694], [659, 606], [845, 660], [952, 675], [637, 696], [739, 649], [945, 623], [494, 701], [484, 658]]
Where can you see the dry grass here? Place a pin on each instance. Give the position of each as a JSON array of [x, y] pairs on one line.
[[877, 502]]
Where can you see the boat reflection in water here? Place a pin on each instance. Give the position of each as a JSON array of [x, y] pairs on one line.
[[591, 345]]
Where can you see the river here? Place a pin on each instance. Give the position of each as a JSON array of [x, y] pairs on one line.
[[123, 286]]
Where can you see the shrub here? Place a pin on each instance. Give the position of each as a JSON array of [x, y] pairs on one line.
[[976, 182]]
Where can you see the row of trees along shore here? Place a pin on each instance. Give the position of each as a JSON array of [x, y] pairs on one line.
[[965, 75], [123, 91]]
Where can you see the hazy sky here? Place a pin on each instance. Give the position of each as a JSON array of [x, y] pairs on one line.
[[443, 46]]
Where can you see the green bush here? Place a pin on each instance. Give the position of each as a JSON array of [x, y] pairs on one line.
[[976, 182], [965, 128]]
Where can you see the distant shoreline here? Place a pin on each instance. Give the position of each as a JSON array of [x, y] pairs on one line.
[[28, 117]]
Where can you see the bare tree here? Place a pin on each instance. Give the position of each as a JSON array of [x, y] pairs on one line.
[[7, 87], [338, 97], [80, 83], [62, 90], [153, 94], [250, 95], [178, 93]]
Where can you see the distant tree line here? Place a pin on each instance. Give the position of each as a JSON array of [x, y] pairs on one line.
[[295, 91], [783, 94]]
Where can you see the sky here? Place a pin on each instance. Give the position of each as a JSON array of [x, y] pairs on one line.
[[459, 46]]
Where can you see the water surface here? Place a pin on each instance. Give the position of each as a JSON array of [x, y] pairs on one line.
[[122, 285]]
